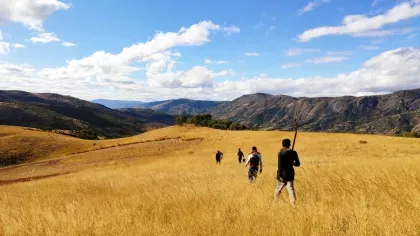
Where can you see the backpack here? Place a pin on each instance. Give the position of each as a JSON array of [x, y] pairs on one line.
[[255, 160]]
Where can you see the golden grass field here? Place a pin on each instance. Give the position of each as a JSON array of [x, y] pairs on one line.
[[166, 182]]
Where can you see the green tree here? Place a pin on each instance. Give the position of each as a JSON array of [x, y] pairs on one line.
[[181, 120]]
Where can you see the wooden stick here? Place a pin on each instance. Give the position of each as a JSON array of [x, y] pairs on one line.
[[296, 130]]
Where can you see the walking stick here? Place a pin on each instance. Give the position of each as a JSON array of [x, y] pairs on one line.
[[294, 140]]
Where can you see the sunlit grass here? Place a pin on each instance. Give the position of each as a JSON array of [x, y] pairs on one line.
[[343, 188]]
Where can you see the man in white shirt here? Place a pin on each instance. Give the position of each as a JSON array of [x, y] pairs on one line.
[[255, 162]]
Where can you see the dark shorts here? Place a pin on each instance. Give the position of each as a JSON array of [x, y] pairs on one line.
[[252, 172]]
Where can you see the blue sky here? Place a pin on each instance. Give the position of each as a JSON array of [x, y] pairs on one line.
[[229, 48]]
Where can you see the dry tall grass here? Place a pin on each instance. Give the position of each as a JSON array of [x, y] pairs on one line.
[[343, 188]]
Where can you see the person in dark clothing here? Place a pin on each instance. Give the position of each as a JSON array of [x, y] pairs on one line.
[[219, 157], [287, 159], [240, 156], [255, 163]]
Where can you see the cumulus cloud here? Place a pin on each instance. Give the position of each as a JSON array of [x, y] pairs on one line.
[[312, 5], [389, 71], [251, 54], [208, 61], [327, 59], [103, 67], [31, 13], [45, 38], [298, 51], [68, 44], [9, 71], [286, 66], [363, 26], [4, 48]]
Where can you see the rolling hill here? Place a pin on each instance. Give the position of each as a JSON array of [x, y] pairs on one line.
[[70, 115], [394, 113]]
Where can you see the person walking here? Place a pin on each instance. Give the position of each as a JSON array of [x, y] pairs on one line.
[[255, 163], [240, 156], [219, 157], [287, 159]]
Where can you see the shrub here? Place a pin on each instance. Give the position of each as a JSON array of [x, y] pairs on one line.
[[207, 120]]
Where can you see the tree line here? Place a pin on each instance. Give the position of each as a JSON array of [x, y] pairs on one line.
[[207, 120]]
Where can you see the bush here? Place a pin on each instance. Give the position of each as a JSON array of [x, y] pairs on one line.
[[181, 120], [410, 135], [207, 120]]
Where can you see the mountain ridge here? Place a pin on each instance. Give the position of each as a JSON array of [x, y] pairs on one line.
[[393, 113], [70, 115]]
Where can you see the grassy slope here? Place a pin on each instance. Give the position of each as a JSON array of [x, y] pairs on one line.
[[172, 187]]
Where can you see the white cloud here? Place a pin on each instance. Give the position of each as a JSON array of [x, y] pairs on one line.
[[208, 61], [298, 51], [8, 72], [103, 67], [1, 35], [286, 66], [198, 77], [45, 38], [68, 44], [327, 59], [30, 13], [369, 47], [389, 71], [4, 48], [312, 5], [251, 54], [360, 25], [231, 29], [16, 45], [382, 33]]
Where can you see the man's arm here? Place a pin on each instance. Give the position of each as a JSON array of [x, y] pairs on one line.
[[261, 165], [247, 161], [297, 162]]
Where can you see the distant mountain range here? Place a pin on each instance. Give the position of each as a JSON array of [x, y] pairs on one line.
[[117, 104], [74, 116], [173, 107], [182, 106], [394, 113]]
